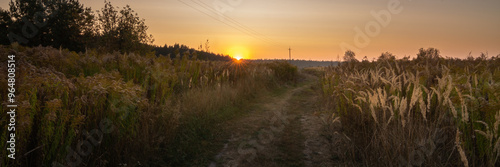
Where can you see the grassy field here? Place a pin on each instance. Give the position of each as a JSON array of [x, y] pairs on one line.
[[112, 109], [92, 109], [428, 111]]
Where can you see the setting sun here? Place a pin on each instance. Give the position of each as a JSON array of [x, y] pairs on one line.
[[238, 52], [250, 82]]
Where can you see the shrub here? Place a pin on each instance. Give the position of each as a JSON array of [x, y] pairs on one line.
[[284, 71]]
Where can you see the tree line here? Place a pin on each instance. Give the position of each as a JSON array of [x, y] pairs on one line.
[[179, 50], [422, 55], [69, 24]]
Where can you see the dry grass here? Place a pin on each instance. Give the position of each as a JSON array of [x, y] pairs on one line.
[[163, 110], [402, 112]]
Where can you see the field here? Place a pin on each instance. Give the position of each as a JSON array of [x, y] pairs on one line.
[[429, 111], [113, 109], [249, 83], [93, 109]]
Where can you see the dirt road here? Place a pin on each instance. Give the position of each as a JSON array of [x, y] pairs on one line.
[[284, 130]]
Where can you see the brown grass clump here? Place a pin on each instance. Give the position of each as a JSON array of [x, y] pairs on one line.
[[406, 112], [123, 109]]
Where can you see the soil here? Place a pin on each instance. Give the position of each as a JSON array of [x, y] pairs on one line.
[[282, 130]]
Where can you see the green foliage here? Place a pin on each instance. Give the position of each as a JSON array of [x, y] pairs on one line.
[[68, 24], [122, 30], [284, 71], [62, 23], [156, 105]]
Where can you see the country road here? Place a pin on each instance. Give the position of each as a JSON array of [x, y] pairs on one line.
[[284, 130]]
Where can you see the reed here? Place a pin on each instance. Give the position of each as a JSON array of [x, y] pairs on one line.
[[396, 110]]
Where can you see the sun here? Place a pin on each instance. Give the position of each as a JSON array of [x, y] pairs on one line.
[[238, 52], [237, 57]]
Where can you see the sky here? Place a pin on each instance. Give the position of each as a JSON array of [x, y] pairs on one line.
[[321, 29]]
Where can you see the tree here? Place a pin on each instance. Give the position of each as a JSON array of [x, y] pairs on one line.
[[28, 22], [107, 25], [406, 58], [430, 53], [365, 59], [123, 30], [71, 25], [5, 22], [68, 24], [387, 56], [350, 56], [57, 23]]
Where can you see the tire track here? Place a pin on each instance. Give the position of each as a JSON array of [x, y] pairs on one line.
[[285, 130]]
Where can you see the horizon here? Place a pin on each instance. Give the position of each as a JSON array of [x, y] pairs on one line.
[[250, 83], [322, 30]]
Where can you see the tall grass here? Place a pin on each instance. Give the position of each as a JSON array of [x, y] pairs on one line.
[[161, 110], [427, 111]]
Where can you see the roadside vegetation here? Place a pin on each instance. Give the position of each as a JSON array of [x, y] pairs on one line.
[[429, 111], [95, 109]]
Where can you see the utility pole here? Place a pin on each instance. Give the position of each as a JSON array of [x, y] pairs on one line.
[[290, 53]]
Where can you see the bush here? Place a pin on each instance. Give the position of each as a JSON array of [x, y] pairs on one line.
[[284, 71]]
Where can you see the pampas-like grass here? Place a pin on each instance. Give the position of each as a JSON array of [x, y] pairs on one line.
[[458, 144], [420, 96]]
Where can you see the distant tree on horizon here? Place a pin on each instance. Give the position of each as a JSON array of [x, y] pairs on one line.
[[429, 53], [350, 56], [178, 49], [386, 56]]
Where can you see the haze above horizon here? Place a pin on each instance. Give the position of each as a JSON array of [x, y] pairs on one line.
[[323, 29]]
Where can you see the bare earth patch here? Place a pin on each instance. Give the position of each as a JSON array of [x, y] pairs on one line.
[[282, 130]]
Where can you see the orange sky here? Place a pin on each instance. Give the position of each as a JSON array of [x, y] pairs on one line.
[[316, 30]]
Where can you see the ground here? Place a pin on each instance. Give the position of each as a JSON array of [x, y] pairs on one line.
[[282, 130]]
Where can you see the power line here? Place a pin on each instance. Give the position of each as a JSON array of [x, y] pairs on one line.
[[234, 21], [211, 16], [241, 27]]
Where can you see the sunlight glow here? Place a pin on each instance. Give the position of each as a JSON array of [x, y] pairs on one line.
[[238, 52]]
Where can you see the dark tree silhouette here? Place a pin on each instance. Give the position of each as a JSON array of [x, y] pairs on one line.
[[176, 49], [68, 24], [5, 23], [29, 22], [387, 56], [430, 53], [61, 23], [350, 56], [123, 30]]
